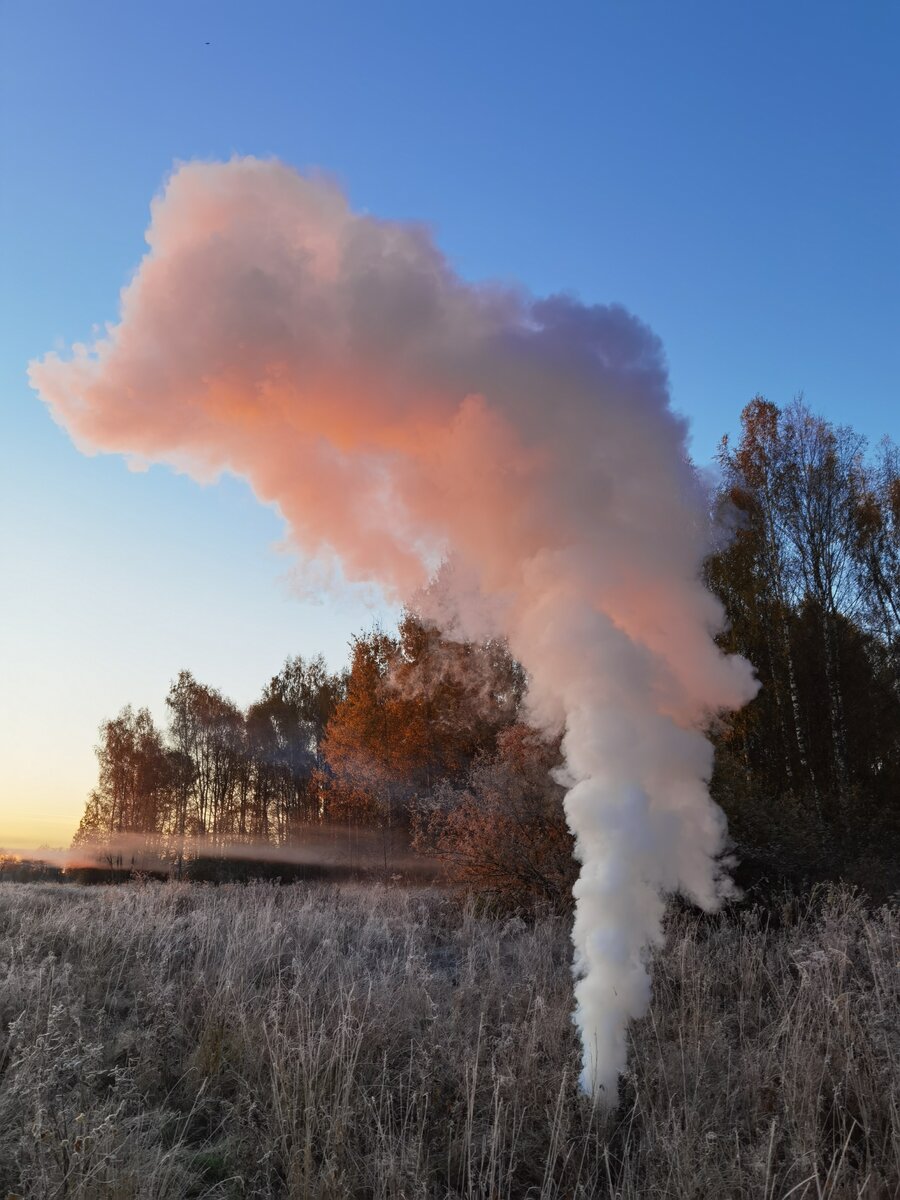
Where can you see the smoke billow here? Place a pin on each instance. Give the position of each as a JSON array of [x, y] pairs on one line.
[[398, 417]]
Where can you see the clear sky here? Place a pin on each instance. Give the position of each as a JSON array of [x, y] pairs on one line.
[[730, 172]]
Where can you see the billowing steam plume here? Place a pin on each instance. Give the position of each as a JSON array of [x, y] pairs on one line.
[[399, 416]]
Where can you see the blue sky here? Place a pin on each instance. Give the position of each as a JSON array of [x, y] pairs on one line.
[[729, 172]]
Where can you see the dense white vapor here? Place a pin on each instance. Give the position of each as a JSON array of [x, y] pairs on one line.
[[399, 416]]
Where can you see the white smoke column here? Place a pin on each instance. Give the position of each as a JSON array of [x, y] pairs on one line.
[[398, 415]]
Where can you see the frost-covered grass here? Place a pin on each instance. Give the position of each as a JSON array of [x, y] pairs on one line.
[[309, 1041]]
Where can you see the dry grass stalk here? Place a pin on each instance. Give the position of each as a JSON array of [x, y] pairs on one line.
[[173, 1041]]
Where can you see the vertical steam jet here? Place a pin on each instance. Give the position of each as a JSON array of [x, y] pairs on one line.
[[399, 417]]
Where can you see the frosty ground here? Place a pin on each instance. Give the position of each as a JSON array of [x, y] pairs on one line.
[[177, 1040]]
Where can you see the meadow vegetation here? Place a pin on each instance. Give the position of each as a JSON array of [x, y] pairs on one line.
[[172, 1040]]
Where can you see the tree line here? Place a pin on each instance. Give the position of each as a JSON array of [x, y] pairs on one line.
[[423, 739], [364, 749], [809, 771]]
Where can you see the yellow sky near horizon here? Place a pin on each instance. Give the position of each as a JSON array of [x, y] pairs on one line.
[[41, 805], [27, 826]]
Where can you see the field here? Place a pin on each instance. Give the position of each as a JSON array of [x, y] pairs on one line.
[[174, 1040]]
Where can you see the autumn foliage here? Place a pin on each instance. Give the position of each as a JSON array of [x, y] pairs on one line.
[[503, 831], [424, 744], [809, 771]]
